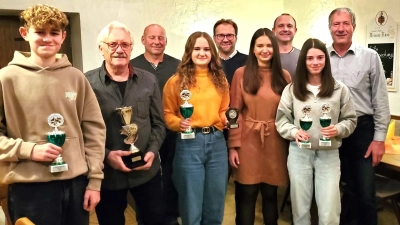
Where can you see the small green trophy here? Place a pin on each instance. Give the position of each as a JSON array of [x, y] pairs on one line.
[[325, 121], [186, 110], [56, 137], [305, 124]]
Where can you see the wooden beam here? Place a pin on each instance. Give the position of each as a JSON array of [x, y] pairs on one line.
[[395, 117]]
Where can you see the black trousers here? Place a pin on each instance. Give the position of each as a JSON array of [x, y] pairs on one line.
[[55, 202], [167, 152], [246, 197], [148, 198], [358, 200]]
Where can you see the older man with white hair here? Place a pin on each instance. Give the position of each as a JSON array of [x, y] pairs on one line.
[[117, 84]]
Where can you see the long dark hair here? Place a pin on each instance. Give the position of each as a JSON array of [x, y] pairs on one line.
[[300, 90], [186, 69], [251, 77]]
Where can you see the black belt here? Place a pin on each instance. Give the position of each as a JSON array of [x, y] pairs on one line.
[[365, 118], [204, 130]]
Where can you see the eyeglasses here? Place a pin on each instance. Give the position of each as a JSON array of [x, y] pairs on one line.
[[114, 45], [221, 37]]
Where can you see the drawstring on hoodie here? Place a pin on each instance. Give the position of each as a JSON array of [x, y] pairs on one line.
[[44, 68]]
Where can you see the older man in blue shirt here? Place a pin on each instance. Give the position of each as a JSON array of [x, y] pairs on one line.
[[360, 68]]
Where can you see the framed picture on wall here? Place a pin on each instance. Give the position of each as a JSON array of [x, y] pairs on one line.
[[382, 37], [386, 53]]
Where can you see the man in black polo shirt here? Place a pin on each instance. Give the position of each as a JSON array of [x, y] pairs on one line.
[[117, 84], [154, 59], [225, 37], [163, 66]]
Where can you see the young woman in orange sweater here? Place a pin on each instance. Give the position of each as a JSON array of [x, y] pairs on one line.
[[200, 167]]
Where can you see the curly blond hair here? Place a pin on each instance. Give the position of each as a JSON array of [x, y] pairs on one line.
[[40, 15]]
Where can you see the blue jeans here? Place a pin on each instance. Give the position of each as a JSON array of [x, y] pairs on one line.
[[304, 165], [200, 170], [358, 200]]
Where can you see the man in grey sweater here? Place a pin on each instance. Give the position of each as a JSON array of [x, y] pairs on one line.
[[285, 30]]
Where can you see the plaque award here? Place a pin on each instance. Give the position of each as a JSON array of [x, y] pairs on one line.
[[232, 115], [325, 121], [130, 130], [186, 110], [305, 124], [56, 137]]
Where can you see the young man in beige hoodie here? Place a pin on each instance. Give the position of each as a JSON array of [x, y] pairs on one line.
[[40, 90]]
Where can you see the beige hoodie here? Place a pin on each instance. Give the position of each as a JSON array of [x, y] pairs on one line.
[[28, 95]]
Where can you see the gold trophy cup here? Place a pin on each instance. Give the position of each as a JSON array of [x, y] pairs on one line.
[[56, 137], [130, 130]]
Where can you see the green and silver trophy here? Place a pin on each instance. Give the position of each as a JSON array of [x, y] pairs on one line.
[[305, 124], [186, 110], [131, 131], [325, 121], [56, 137], [232, 114]]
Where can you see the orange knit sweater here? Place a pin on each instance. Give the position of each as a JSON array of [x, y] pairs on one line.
[[209, 104]]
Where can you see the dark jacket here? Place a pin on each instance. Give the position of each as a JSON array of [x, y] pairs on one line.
[[142, 93]]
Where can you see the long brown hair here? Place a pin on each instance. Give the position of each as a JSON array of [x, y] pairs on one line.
[[300, 90], [251, 77], [186, 69]]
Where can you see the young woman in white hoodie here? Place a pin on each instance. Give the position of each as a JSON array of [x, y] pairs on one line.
[[313, 92]]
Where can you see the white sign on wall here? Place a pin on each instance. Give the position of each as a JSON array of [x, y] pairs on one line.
[[382, 37]]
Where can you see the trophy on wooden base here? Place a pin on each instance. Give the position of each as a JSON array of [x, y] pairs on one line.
[[129, 129], [232, 115]]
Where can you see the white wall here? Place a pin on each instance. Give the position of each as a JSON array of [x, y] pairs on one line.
[[182, 17]]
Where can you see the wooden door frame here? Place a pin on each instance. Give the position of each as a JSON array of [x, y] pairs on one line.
[[75, 27]]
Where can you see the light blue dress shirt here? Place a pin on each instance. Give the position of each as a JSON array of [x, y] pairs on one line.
[[360, 68]]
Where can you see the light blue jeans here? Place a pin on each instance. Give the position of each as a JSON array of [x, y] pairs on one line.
[[322, 166], [200, 172]]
